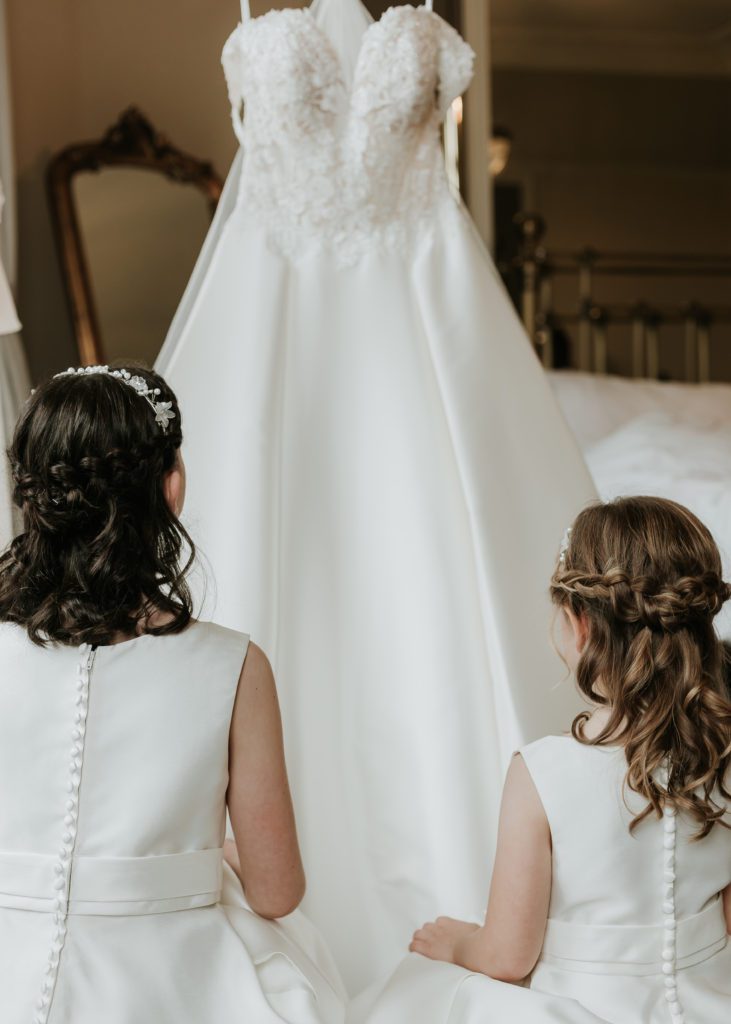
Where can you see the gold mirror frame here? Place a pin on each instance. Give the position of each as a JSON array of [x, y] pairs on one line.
[[131, 142]]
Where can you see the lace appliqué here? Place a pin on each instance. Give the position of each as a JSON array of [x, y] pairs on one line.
[[329, 169]]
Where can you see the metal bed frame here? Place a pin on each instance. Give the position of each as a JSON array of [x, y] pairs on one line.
[[588, 323]]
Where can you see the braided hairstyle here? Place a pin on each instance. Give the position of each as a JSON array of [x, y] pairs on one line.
[[645, 574], [100, 548]]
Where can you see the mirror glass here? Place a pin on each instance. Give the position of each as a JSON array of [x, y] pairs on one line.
[[141, 233]]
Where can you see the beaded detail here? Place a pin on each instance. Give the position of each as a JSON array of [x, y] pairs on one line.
[[163, 410], [346, 170], [63, 866], [669, 950], [564, 549]]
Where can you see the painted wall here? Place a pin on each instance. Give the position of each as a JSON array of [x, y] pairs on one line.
[[75, 65], [626, 162]]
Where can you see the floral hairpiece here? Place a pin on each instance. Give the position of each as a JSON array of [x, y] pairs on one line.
[[163, 410], [563, 550]]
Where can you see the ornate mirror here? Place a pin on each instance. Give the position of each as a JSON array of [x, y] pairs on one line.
[[130, 213]]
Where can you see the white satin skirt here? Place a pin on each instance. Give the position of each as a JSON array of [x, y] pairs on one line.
[[582, 992], [379, 479], [203, 965]]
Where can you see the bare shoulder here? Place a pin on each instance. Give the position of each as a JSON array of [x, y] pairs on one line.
[[256, 697], [520, 793], [256, 671]]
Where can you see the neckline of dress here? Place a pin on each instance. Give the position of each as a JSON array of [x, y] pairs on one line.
[[349, 87], [608, 747], [246, 9], [128, 643], [143, 636], [306, 12], [124, 643]]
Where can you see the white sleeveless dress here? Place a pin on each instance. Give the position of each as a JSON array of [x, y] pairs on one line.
[[379, 475], [114, 904], [636, 931]]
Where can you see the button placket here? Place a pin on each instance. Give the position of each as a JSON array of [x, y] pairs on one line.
[[63, 865], [670, 924]]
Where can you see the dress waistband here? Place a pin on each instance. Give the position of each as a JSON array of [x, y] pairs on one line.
[[632, 949], [114, 886]]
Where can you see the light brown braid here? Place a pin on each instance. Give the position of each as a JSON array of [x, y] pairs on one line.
[[646, 576]]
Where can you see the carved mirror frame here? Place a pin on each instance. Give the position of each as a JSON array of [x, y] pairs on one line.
[[131, 142]]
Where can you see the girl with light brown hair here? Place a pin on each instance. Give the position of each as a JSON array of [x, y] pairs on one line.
[[611, 893]]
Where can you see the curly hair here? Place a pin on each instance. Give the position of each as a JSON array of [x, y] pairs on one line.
[[646, 576], [100, 548]]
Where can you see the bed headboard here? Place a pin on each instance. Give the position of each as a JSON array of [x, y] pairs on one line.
[[637, 314]]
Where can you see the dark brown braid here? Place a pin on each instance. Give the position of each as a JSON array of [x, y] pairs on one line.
[[100, 547]]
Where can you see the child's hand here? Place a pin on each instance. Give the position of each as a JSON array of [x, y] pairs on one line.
[[440, 939]]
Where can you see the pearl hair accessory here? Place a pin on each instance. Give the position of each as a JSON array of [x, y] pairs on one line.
[[163, 410], [564, 546]]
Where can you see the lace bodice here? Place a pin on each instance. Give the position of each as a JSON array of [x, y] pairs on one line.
[[344, 169]]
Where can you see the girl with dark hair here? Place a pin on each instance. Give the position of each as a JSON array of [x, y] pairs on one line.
[[611, 893], [127, 729], [101, 484]]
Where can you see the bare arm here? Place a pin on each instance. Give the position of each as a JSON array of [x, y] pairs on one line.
[[259, 801], [508, 944], [727, 907]]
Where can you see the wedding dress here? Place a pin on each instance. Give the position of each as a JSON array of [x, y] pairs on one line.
[[115, 904], [378, 473]]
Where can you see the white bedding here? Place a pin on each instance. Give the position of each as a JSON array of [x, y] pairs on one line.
[[596, 405], [648, 437]]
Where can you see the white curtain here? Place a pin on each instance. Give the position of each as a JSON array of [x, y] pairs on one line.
[[14, 381]]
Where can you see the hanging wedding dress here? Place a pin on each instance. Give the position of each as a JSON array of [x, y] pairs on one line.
[[379, 476]]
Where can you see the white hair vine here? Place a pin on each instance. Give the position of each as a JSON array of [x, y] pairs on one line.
[[563, 550], [163, 410]]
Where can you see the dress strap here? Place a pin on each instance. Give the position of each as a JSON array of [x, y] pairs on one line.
[[429, 4], [245, 10]]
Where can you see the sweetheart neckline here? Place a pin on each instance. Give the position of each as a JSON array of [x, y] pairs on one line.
[[306, 12]]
